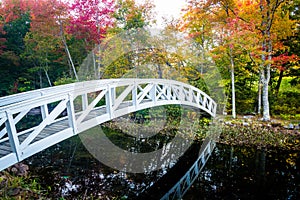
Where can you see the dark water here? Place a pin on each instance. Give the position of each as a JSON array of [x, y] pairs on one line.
[[248, 173], [68, 170]]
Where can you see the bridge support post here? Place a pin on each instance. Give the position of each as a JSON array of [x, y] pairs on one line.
[[204, 101], [181, 93], [113, 96], [190, 94], [210, 105], [71, 114], [198, 98], [12, 135], [168, 92], [84, 101], [109, 101], [134, 96], [44, 109], [153, 93]]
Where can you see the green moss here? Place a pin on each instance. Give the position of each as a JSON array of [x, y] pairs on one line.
[[19, 187]]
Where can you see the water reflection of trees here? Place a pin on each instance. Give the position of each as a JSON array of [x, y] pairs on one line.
[[235, 172]]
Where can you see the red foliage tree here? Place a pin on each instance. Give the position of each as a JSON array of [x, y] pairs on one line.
[[90, 19]]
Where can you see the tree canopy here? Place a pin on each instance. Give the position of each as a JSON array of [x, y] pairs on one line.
[[254, 44]]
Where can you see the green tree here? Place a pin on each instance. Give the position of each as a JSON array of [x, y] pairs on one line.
[[14, 24], [130, 15], [130, 18], [266, 24]]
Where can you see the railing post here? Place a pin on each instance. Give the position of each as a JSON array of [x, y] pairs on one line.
[[178, 192], [134, 96], [197, 168], [113, 95], [204, 101], [208, 148], [84, 101], [198, 98], [188, 179], [44, 109], [109, 101], [181, 93], [168, 91], [210, 106], [190, 95], [71, 114], [153, 93], [12, 135]]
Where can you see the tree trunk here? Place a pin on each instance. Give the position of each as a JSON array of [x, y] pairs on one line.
[[67, 50], [159, 71], [268, 74], [259, 94], [46, 72], [203, 51], [94, 63], [265, 100], [279, 82], [202, 60], [267, 12], [48, 78], [265, 79], [41, 78], [232, 85], [99, 75]]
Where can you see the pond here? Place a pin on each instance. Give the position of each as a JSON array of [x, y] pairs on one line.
[[248, 173], [68, 170]]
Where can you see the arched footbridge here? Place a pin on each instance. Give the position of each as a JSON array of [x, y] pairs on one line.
[[61, 112]]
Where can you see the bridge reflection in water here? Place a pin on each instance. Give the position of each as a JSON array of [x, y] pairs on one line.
[[182, 186]]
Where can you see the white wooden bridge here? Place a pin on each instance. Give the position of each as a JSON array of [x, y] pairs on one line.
[[186, 181], [64, 111]]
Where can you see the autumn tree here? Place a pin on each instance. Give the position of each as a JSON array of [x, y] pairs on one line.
[[286, 55], [131, 15], [200, 30], [260, 19], [45, 43], [14, 24], [89, 22], [130, 20], [90, 19]]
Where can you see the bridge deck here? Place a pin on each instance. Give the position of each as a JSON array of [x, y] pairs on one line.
[[54, 128]]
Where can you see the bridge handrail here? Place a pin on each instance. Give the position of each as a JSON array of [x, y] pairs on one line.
[[13, 102], [15, 98]]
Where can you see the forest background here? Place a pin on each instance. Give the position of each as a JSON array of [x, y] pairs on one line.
[[254, 44]]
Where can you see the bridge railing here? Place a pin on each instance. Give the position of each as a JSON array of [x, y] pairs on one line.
[[182, 186], [33, 121]]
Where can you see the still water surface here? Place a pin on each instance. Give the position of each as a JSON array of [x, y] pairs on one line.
[[248, 173], [70, 171]]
